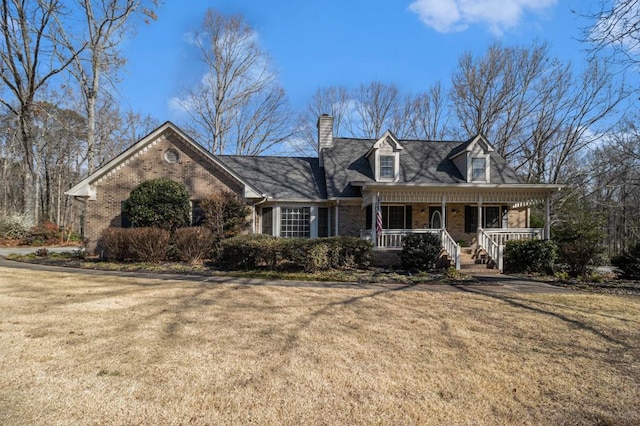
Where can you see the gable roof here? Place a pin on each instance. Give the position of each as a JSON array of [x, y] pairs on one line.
[[84, 189], [468, 146], [388, 138], [421, 162], [282, 178]]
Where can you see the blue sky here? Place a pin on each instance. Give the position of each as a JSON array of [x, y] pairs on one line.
[[349, 42]]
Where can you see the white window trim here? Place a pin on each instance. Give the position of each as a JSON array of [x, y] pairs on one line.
[[487, 178], [276, 211], [396, 167]]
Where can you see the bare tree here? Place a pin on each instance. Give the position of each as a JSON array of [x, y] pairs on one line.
[[332, 100], [374, 106], [491, 94], [615, 30], [538, 115], [32, 52], [426, 115], [105, 23], [237, 107]]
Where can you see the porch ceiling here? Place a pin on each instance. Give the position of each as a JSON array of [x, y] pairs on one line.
[[519, 196]]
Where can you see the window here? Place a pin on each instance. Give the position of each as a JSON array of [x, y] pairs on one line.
[[267, 220], [125, 222], [492, 217], [171, 156], [387, 166], [323, 222], [197, 213], [478, 169], [294, 222], [393, 217]]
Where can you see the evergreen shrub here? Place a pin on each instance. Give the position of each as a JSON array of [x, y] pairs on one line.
[[158, 203], [420, 251], [628, 262], [530, 256]]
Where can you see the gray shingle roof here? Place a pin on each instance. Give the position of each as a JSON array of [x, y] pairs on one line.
[[280, 177], [420, 162]]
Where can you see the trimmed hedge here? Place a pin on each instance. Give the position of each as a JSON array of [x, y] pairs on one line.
[[116, 243], [148, 244], [194, 244], [628, 262], [530, 256], [251, 251], [420, 251], [139, 244]]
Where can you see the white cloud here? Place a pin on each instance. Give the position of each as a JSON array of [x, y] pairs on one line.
[[456, 15]]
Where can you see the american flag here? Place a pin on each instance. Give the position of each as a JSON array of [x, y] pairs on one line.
[[378, 218]]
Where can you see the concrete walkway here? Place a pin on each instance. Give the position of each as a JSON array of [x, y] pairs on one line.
[[485, 284]]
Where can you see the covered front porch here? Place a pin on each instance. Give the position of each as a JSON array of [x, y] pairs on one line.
[[482, 217]]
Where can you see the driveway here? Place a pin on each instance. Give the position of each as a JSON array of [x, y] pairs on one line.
[[6, 251], [485, 284]]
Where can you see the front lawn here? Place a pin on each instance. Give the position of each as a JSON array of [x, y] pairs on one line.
[[80, 349]]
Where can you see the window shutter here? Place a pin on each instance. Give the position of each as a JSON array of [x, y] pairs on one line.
[[368, 218], [408, 217], [470, 219]]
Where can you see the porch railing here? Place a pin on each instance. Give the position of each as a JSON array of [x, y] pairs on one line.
[[501, 235], [392, 238], [452, 247], [494, 250]]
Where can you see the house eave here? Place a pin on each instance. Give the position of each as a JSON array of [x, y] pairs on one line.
[[458, 186], [85, 187]]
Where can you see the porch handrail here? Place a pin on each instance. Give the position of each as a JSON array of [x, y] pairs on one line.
[[502, 235], [451, 246], [493, 249], [392, 238]]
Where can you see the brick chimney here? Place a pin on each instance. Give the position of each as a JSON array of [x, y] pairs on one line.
[[325, 135]]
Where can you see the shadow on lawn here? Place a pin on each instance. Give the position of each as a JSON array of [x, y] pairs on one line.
[[520, 303]]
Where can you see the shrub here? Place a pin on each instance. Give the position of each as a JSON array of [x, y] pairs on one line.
[[44, 233], [420, 251], [42, 252], [225, 213], [148, 244], [158, 203], [193, 244], [530, 256], [15, 226], [579, 243], [250, 251], [116, 243], [628, 262]]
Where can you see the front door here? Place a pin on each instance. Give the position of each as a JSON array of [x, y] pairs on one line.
[[435, 217]]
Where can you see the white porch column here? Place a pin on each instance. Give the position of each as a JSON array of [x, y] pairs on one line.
[[479, 211], [337, 221], [443, 212], [313, 222], [374, 205], [547, 217]]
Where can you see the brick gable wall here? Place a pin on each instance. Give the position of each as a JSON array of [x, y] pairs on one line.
[[195, 171]]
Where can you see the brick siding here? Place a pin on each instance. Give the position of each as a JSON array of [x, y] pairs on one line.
[[195, 171]]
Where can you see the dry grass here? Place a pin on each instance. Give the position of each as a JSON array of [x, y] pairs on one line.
[[81, 349]]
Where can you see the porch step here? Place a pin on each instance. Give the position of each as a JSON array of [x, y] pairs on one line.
[[471, 264]]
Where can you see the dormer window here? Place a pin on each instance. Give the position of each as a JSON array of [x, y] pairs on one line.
[[384, 158], [387, 166], [479, 169]]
